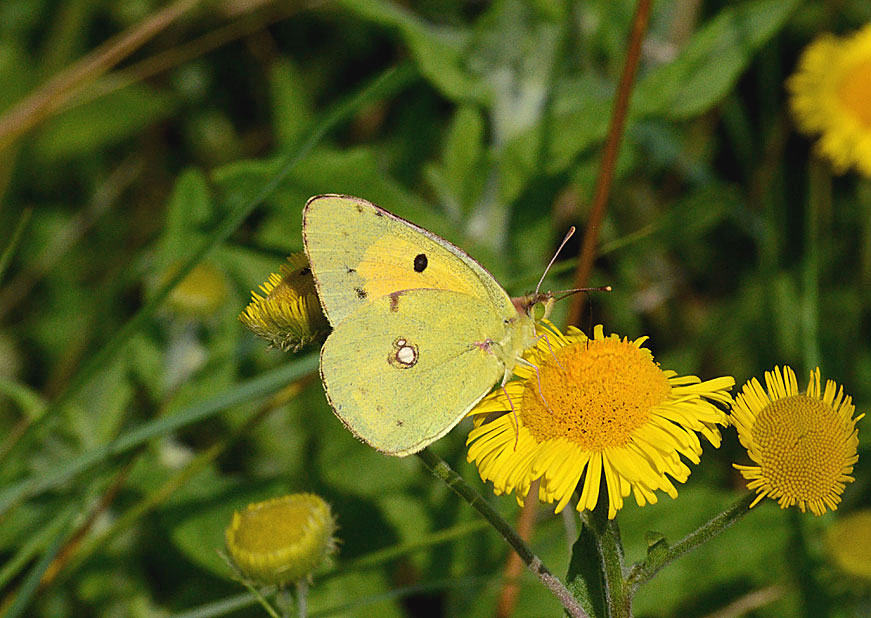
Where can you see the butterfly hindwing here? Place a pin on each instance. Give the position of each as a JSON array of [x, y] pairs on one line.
[[403, 370]]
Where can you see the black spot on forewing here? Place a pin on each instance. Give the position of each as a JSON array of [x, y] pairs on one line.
[[420, 262], [361, 293], [351, 271], [399, 423]]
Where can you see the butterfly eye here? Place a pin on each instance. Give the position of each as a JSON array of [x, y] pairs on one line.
[[420, 262]]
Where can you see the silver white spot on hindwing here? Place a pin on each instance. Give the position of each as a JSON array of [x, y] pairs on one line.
[[403, 355]]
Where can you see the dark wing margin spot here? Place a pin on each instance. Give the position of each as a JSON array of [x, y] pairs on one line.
[[351, 271], [420, 262], [394, 301], [361, 293]]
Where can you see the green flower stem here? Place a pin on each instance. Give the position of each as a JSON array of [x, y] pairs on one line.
[[658, 558], [863, 201], [266, 605], [596, 569], [819, 208], [302, 598], [453, 480]]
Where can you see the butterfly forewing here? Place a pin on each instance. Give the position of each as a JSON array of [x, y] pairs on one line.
[[360, 252]]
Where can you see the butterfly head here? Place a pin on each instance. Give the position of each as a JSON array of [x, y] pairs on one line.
[[536, 305]]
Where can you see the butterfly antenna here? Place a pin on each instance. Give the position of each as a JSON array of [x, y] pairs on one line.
[[566, 293], [568, 235]]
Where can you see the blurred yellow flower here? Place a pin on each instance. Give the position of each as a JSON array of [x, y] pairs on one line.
[[289, 316], [804, 444], [848, 541], [200, 294], [831, 95], [282, 540], [604, 408]]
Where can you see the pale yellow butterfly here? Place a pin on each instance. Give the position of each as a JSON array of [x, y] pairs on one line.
[[421, 331]]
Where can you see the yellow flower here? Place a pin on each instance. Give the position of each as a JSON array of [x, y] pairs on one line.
[[831, 95], [604, 409], [281, 540], [848, 541], [804, 444], [201, 293], [289, 316]]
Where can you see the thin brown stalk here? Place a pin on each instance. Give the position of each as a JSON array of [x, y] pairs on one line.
[[609, 157], [514, 565], [73, 543], [49, 97], [163, 61]]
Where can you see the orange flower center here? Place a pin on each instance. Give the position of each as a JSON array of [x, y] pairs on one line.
[[855, 92], [596, 392], [799, 438]]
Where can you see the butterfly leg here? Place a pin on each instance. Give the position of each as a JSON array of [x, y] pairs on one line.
[[547, 341], [523, 361], [516, 420]]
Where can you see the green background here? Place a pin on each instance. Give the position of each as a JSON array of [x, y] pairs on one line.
[[123, 422]]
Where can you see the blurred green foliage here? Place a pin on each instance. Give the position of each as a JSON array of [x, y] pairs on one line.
[[130, 448]]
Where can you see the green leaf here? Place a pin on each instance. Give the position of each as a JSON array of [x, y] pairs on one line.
[[578, 122], [15, 78], [459, 177], [513, 52], [355, 171], [29, 401], [761, 536], [709, 66], [439, 51], [240, 393], [291, 103], [91, 126], [584, 578], [189, 206]]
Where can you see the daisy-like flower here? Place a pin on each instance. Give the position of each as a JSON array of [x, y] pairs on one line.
[[282, 540], [803, 444], [289, 316], [831, 95], [610, 412]]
